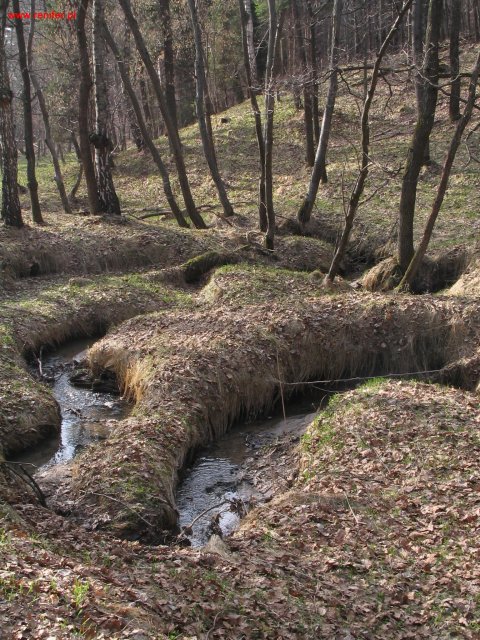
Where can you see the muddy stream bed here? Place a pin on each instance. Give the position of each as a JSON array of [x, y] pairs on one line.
[[214, 491]]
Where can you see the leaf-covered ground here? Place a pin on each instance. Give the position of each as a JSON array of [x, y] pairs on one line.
[[378, 538]]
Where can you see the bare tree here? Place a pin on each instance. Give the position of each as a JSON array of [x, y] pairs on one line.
[[205, 130], [421, 136], [268, 126], [410, 273], [250, 71], [454, 104], [123, 69], [359, 185], [172, 131], [11, 212], [130, 111], [168, 58], [109, 202], [27, 118], [306, 77], [45, 116], [319, 172], [83, 104]]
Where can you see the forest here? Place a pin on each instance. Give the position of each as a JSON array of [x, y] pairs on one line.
[[239, 319]]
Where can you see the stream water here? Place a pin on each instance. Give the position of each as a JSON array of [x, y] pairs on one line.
[[83, 412], [217, 476]]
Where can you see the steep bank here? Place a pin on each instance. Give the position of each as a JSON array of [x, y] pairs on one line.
[[192, 374]]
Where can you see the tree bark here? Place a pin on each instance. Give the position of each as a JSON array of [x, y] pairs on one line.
[[202, 117], [306, 76], [313, 57], [109, 202], [132, 118], [454, 104], [83, 109], [168, 59], [319, 172], [249, 44], [421, 136], [252, 92], [27, 118], [45, 116], [268, 127], [407, 279], [123, 69], [172, 131], [359, 185], [11, 212]]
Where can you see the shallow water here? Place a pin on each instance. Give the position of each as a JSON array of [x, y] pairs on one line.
[[217, 476], [83, 411]]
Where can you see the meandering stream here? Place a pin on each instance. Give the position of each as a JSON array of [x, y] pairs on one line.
[[214, 480]]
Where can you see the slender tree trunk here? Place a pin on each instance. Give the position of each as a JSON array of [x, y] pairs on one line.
[[146, 106], [27, 118], [454, 104], [46, 119], [132, 119], [11, 212], [442, 187], [109, 202], [168, 58], [307, 85], [250, 44], [172, 131], [205, 130], [167, 188], [268, 126], [313, 57], [421, 136], [359, 185], [83, 110], [319, 172], [73, 192], [251, 79], [419, 11]]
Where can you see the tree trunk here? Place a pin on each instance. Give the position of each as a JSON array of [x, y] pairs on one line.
[[421, 136], [109, 202], [73, 192], [319, 172], [132, 118], [442, 187], [268, 127], [419, 25], [146, 106], [83, 109], [46, 119], [306, 77], [123, 69], [359, 185], [454, 104], [11, 212], [252, 92], [249, 43], [168, 58], [172, 131], [313, 56], [27, 118], [205, 131]]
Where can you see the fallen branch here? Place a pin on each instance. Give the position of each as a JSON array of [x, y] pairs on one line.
[[29, 479]]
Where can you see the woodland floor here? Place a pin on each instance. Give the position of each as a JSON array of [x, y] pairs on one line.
[[373, 531]]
